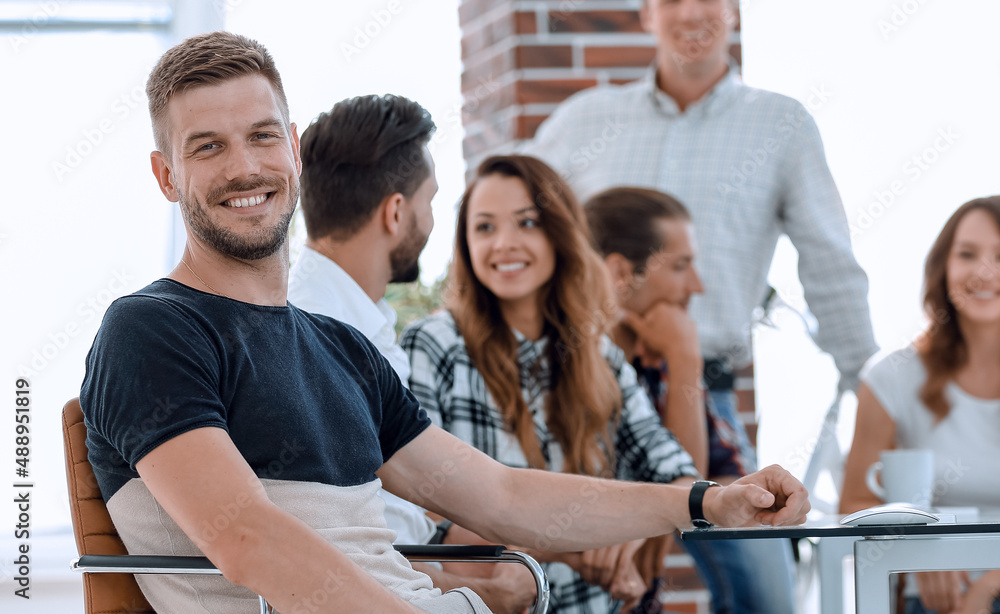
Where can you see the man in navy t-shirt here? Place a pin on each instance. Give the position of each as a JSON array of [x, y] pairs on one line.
[[224, 421]]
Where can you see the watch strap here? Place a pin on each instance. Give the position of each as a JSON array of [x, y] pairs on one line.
[[695, 499], [441, 531]]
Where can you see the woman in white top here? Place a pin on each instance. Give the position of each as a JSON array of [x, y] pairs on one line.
[[943, 393]]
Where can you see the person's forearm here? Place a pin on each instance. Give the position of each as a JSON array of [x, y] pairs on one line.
[[546, 510], [565, 513], [276, 555], [685, 415]]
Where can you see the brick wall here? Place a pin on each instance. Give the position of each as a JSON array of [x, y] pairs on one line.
[[520, 60]]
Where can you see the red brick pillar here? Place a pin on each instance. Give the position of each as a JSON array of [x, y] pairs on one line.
[[520, 60]]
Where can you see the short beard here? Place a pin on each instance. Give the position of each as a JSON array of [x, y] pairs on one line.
[[261, 244], [404, 259], [405, 275]]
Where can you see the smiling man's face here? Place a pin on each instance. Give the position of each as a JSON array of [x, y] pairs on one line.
[[233, 167], [693, 34]]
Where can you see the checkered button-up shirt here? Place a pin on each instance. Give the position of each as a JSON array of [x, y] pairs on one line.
[[453, 393], [750, 166]]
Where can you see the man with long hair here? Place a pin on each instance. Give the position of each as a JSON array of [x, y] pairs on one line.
[[224, 421]]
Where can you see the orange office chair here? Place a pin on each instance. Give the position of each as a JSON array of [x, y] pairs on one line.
[[108, 582]]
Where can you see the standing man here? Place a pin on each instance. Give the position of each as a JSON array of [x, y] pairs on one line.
[[750, 166], [366, 189]]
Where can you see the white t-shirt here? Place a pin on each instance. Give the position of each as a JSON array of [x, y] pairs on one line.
[[966, 443]]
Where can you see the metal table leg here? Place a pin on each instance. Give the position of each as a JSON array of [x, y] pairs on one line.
[[831, 552]]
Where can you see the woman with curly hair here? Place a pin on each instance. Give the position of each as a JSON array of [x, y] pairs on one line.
[[519, 366], [943, 393]]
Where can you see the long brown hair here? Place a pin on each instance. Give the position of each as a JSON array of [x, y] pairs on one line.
[[942, 346], [584, 401]]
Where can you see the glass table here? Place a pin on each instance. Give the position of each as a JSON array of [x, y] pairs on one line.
[[883, 550]]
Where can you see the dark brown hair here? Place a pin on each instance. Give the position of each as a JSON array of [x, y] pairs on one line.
[[206, 59], [584, 401], [942, 346], [622, 222], [356, 155]]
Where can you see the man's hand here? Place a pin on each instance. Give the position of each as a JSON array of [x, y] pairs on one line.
[[980, 595], [649, 560], [665, 331], [628, 585], [608, 566], [770, 496], [941, 590], [511, 589]]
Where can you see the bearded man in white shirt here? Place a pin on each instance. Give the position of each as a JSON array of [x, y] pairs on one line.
[[366, 189]]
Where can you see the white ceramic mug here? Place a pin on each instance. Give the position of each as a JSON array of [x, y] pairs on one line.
[[906, 476]]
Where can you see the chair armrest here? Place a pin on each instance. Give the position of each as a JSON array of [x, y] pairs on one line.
[[144, 564], [152, 564], [483, 554], [155, 564], [448, 552]]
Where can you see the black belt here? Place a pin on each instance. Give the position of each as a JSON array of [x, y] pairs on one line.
[[717, 376]]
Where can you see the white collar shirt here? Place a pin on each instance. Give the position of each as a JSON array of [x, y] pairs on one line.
[[319, 285], [750, 166]]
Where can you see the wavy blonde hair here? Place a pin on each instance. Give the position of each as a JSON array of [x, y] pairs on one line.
[[942, 346], [584, 402]]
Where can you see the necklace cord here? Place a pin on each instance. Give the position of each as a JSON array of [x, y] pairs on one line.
[[207, 285]]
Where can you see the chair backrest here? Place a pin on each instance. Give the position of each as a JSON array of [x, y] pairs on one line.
[[92, 526]]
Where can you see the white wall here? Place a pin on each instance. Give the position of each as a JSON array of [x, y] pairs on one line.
[[83, 221], [885, 80]]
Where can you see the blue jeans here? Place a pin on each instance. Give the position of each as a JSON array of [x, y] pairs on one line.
[[746, 576], [724, 406]]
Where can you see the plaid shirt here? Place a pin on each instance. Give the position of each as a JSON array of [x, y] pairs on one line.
[[453, 393], [750, 166]]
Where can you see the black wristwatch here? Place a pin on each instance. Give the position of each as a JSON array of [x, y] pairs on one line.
[[694, 503], [441, 531]]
